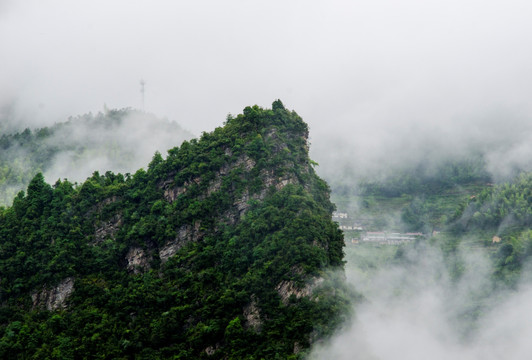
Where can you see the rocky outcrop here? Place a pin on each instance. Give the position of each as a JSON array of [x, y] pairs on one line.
[[242, 204], [100, 205], [215, 185], [252, 315], [211, 350], [270, 179], [137, 260], [286, 289], [171, 193], [185, 235], [107, 229], [244, 162], [55, 298]]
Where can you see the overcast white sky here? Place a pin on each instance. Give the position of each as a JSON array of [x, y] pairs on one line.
[[356, 71]]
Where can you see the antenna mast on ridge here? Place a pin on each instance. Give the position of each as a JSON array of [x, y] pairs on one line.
[[142, 83]]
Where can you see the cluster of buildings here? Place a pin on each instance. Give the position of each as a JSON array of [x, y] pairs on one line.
[[351, 227], [337, 216], [378, 237], [382, 237]]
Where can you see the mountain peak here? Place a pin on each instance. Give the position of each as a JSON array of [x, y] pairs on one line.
[[221, 250]]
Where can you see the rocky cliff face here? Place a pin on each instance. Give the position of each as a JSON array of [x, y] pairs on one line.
[[241, 166], [241, 202], [54, 298]]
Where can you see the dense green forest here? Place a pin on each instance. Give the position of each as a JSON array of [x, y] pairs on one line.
[[115, 140], [225, 249]]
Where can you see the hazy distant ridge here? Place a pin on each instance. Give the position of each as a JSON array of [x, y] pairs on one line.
[[117, 140]]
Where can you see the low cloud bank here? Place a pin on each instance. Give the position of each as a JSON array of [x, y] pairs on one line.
[[417, 311], [378, 147], [107, 144], [117, 141]]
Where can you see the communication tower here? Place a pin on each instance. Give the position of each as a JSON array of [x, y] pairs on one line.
[[142, 83]]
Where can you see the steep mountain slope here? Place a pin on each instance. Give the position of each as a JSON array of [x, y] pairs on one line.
[[117, 140], [221, 250]]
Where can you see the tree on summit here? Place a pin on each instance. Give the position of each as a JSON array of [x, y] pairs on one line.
[[278, 105]]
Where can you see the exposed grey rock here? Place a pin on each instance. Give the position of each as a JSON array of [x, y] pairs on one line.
[[54, 298], [172, 193], [137, 260], [107, 201], [107, 229], [210, 350], [286, 289], [99, 206], [185, 235], [241, 204], [252, 315], [214, 186]]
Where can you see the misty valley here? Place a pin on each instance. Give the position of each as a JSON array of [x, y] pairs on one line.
[[122, 236], [442, 271]]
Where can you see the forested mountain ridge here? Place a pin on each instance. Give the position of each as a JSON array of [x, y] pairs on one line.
[[221, 250], [117, 140]]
